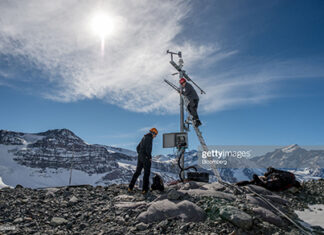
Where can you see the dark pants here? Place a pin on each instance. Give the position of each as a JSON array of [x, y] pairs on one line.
[[142, 162], [192, 108]]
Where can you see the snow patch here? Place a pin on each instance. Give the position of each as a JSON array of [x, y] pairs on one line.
[[2, 185], [32, 138], [313, 216], [12, 173], [112, 149], [290, 148]]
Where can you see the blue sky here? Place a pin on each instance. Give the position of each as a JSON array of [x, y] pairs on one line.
[[260, 62]]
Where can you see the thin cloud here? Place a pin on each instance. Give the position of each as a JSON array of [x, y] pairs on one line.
[[117, 135], [4, 74], [54, 38]]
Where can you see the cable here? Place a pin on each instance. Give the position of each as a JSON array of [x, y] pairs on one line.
[[179, 155], [300, 227]]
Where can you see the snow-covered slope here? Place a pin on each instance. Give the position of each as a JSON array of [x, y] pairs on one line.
[[2, 185], [312, 216], [292, 156], [45, 159], [306, 164], [120, 150]]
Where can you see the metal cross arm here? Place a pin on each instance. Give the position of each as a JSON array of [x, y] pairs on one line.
[[174, 53], [185, 75], [172, 85]]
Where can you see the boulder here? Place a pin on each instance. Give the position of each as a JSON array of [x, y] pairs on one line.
[[276, 199], [257, 202], [259, 189], [141, 226], [268, 216], [166, 209], [54, 190], [209, 193], [73, 199], [124, 197], [18, 220], [58, 221], [214, 186], [236, 217], [175, 195], [190, 185], [129, 205], [19, 186]]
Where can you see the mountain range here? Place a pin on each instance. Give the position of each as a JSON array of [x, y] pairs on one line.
[[54, 157]]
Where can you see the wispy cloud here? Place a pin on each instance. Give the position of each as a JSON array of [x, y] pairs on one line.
[[117, 136], [54, 37], [143, 129], [4, 74]]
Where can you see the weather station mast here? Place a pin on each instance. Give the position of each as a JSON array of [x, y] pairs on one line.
[[180, 139]]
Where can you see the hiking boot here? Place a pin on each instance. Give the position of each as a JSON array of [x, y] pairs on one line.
[[255, 177], [257, 180], [129, 190], [197, 123], [144, 192]]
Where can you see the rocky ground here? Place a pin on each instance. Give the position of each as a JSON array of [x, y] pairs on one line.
[[191, 208]]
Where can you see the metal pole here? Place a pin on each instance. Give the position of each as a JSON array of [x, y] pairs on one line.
[[71, 167], [178, 67], [181, 123]]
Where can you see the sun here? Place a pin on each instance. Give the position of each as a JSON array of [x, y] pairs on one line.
[[102, 24]]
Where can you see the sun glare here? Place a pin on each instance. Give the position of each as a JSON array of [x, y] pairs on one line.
[[102, 24]]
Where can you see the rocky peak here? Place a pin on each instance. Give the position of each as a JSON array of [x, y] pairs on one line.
[[62, 134], [290, 148], [11, 138], [59, 138]]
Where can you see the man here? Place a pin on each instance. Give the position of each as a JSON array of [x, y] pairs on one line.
[[274, 180], [193, 98], [144, 150]]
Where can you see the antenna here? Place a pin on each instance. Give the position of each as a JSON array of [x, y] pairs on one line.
[[183, 128], [179, 66]]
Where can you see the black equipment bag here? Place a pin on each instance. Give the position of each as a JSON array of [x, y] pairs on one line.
[[157, 183], [198, 176]]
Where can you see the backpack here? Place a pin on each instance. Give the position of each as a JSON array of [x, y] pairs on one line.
[[281, 180], [157, 183]]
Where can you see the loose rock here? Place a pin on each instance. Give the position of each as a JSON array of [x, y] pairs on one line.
[[268, 216], [237, 217], [164, 209], [58, 221]]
